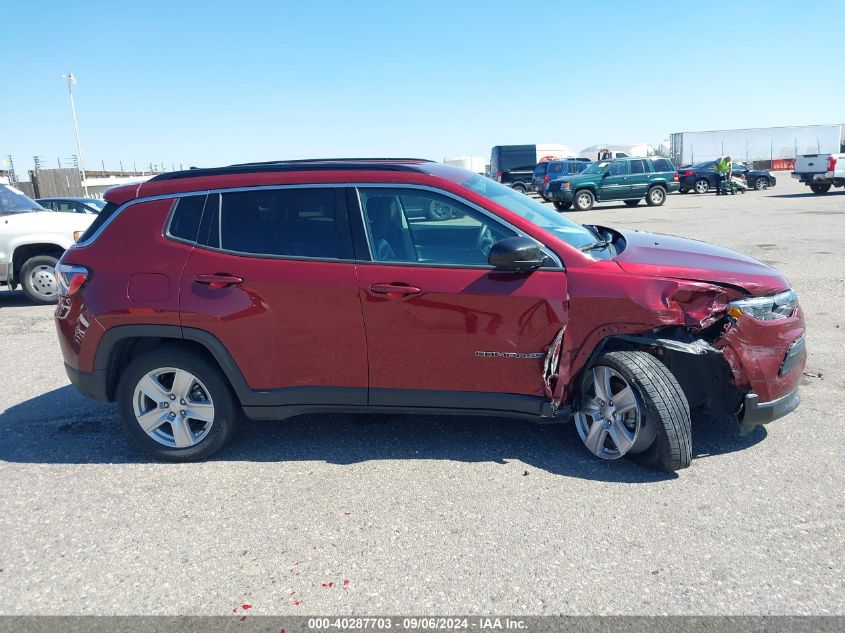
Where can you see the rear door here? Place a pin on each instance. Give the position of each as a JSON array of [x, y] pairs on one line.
[[273, 279], [639, 177], [614, 185], [443, 328]]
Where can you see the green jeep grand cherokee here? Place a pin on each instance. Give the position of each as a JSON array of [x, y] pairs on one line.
[[626, 179]]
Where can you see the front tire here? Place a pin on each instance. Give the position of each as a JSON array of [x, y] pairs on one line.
[[562, 206], [176, 406], [630, 403], [38, 279], [656, 196], [584, 200], [819, 188]]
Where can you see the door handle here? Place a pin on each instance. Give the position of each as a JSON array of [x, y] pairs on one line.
[[395, 289], [218, 280]]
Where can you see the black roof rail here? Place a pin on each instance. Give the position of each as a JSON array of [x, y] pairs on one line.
[[309, 164]]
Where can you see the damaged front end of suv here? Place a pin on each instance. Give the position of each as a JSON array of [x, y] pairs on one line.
[[732, 352]]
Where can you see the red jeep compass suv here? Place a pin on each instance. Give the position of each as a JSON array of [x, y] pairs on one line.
[[275, 289]]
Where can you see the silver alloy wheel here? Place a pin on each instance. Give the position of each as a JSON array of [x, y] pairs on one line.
[[657, 195], [583, 201], [42, 280], [173, 407], [702, 186], [761, 183], [609, 420]]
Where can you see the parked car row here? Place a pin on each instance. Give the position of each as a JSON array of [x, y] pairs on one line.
[[32, 239], [627, 179], [702, 177]]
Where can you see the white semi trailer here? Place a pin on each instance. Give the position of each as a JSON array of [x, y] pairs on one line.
[[756, 144]]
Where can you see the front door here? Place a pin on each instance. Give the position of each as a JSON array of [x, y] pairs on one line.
[[443, 328], [614, 184], [273, 279]]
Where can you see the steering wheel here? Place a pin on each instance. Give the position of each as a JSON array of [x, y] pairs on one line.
[[485, 240]]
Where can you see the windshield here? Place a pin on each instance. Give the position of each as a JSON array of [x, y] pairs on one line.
[[14, 201], [596, 168], [545, 217]]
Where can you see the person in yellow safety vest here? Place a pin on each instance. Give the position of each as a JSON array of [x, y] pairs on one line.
[[723, 172]]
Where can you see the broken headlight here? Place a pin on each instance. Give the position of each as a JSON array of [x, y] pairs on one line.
[[771, 308]]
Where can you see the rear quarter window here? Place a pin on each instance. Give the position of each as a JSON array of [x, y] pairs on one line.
[[102, 217], [185, 222], [662, 164]]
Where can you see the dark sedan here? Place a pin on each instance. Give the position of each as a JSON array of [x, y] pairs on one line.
[[72, 205], [701, 177]]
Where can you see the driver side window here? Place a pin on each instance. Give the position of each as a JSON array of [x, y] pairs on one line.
[[420, 226]]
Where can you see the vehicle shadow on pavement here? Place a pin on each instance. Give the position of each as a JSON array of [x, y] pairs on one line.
[[63, 427], [15, 299], [808, 194]]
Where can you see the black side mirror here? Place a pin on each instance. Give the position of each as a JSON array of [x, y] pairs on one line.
[[517, 254]]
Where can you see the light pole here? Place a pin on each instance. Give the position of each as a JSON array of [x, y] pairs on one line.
[[71, 80]]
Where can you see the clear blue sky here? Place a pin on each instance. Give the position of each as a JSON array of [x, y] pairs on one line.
[[209, 82]]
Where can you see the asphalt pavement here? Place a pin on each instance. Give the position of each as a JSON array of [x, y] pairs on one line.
[[351, 514]]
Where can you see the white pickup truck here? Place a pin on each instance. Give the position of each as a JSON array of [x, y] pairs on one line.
[[820, 172], [32, 239]]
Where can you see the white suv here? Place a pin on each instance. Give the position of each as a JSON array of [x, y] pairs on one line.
[[32, 239]]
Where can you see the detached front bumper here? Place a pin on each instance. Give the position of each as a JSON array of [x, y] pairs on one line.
[[755, 412]]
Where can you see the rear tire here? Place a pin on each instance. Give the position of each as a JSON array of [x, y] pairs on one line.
[[632, 203], [213, 398], [662, 436], [761, 184], [584, 200], [438, 211], [820, 188], [38, 279], [656, 196], [519, 187], [701, 185], [562, 206]]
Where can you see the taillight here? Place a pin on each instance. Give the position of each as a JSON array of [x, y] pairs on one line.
[[71, 278], [675, 177], [546, 179], [689, 173], [831, 163], [498, 176]]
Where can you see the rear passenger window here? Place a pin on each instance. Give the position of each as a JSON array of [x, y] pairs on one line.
[[185, 223], [306, 222], [661, 164], [637, 167], [577, 166]]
